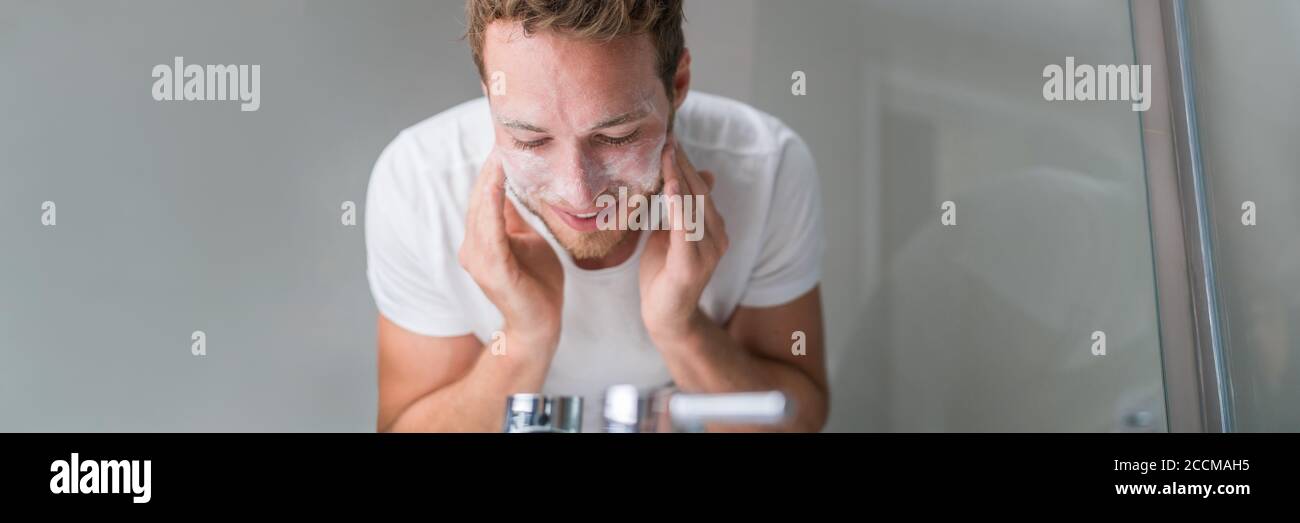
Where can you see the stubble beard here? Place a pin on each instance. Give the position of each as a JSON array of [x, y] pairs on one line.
[[581, 245]]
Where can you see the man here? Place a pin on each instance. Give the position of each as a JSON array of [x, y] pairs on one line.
[[493, 277]]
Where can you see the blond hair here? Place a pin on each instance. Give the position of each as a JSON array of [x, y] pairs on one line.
[[588, 19]]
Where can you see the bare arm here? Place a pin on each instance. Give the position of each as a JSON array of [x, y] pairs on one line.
[[753, 353], [429, 384], [456, 383]]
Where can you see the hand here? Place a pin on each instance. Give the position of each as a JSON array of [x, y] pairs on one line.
[[515, 267], [674, 270]]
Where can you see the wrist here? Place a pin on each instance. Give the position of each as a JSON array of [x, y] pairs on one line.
[[667, 335], [533, 336], [521, 358]]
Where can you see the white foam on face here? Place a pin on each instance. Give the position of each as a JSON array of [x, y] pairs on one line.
[[639, 172], [526, 171], [537, 178]]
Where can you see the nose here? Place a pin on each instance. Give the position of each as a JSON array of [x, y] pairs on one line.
[[581, 178]]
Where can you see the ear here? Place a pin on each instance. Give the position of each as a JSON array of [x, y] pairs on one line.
[[682, 79]]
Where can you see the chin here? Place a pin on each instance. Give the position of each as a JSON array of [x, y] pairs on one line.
[[581, 245], [587, 246]]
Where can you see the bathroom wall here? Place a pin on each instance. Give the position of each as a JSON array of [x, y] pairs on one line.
[[174, 218]]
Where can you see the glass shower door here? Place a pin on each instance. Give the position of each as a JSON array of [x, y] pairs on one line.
[[990, 265]]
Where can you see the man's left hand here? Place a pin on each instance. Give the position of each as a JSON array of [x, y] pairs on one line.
[[674, 268]]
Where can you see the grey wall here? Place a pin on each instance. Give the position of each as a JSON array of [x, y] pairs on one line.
[[176, 217]]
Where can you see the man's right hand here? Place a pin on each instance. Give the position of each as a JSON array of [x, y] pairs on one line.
[[458, 383], [514, 266]]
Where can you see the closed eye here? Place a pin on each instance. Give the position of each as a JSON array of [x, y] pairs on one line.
[[618, 140], [530, 144]]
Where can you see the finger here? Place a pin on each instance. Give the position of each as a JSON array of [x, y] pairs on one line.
[[695, 184], [704, 225], [672, 183], [678, 189], [715, 228], [491, 219], [655, 249], [516, 226], [673, 168], [695, 188], [707, 176], [716, 231], [476, 194], [668, 164], [515, 223], [678, 246]]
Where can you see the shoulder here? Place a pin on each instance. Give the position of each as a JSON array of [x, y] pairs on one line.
[[462, 133], [752, 153], [432, 164], [709, 122]]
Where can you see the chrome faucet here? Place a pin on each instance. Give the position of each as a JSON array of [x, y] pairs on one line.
[[663, 409], [538, 413], [668, 410]]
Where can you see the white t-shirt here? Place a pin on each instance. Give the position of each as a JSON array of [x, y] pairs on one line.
[[766, 189]]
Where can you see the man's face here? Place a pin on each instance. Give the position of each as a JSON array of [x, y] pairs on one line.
[[577, 119]]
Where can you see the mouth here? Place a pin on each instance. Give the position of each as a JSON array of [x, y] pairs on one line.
[[580, 221]]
